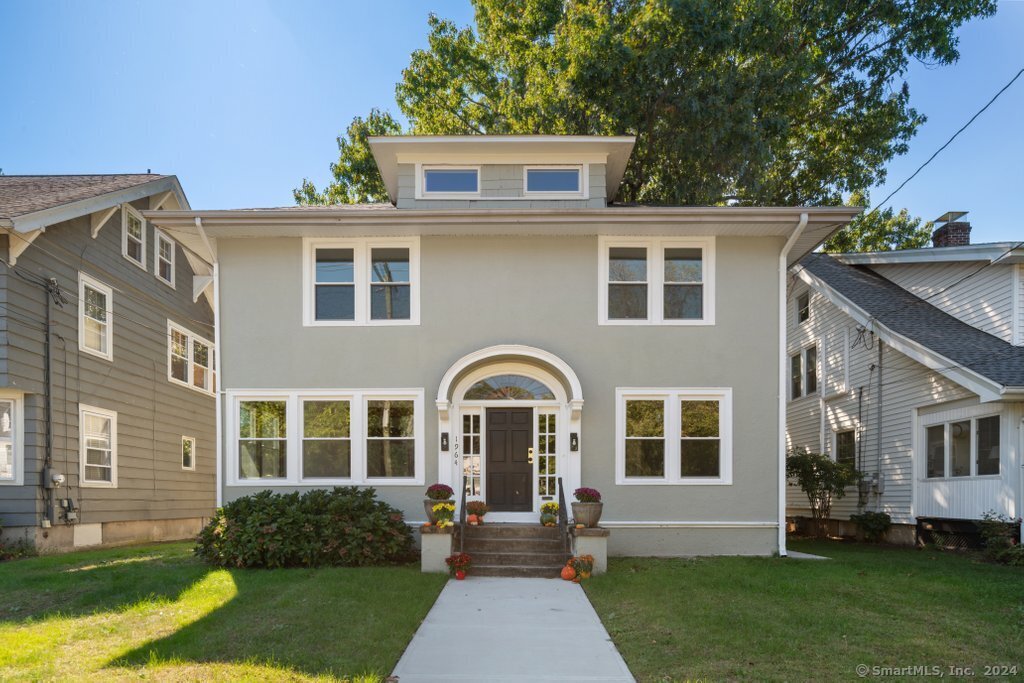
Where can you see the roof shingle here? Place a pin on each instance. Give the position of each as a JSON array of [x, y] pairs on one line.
[[25, 194]]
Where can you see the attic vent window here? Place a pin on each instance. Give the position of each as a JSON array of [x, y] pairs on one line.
[[549, 181], [458, 181]]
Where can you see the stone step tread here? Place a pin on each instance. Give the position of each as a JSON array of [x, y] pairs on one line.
[[541, 571], [511, 530], [506, 546], [519, 559]]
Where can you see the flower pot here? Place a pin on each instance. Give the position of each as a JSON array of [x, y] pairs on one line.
[[460, 575], [428, 505], [587, 514]]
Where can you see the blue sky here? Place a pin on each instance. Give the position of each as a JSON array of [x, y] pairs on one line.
[[243, 99]]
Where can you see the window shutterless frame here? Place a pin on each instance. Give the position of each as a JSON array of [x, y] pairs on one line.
[[294, 398], [188, 453], [12, 440], [944, 429], [362, 279], [421, 191], [191, 358], [583, 183], [97, 447], [132, 220], [164, 249], [94, 318], [804, 373], [674, 434], [655, 249]]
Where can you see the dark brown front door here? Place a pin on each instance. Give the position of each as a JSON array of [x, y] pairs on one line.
[[509, 470]]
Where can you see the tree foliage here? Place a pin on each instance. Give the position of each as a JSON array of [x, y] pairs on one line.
[[822, 479], [879, 230], [732, 101]]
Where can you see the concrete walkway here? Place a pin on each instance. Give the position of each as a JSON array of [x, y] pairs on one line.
[[503, 629]]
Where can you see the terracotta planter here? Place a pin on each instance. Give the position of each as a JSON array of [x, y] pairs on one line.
[[587, 514], [428, 506]]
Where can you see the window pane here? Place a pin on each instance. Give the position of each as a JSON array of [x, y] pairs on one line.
[[795, 376], [811, 356], [201, 354], [390, 458], [391, 265], [627, 302], [6, 419], [509, 387], [960, 449], [699, 458], [390, 302], [684, 265], [645, 418], [699, 418], [95, 304], [335, 265], [186, 453], [134, 227], [6, 460], [262, 420], [97, 473], [97, 456], [96, 426], [553, 180], [166, 249], [936, 455], [988, 445], [135, 250], [325, 419], [95, 335], [389, 418], [684, 302], [327, 459], [259, 459], [450, 180], [846, 448], [803, 307], [335, 302], [645, 458], [165, 270], [627, 264]]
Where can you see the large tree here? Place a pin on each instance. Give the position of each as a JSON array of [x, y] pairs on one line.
[[879, 230], [732, 101]]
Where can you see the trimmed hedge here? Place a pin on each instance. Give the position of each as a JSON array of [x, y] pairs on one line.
[[346, 526]]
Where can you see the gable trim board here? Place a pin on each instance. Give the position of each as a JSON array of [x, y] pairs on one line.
[[986, 388]]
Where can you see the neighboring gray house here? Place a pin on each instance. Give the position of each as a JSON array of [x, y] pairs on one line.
[[107, 423], [910, 366], [502, 323]]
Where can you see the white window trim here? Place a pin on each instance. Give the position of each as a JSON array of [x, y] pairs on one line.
[[357, 435], [421, 184], [126, 210], [945, 418], [582, 193], [835, 442], [192, 337], [796, 302], [17, 436], [656, 278], [93, 283], [191, 439], [672, 399], [112, 416], [802, 353], [158, 235], [362, 251]]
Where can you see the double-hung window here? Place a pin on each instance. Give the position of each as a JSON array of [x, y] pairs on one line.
[[11, 450], [97, 446], [163, 257], [803, 373], [674, 436], [190, 359], [803, 307], [95, 313], [663, 281], [361, 282], [967, 447], [324, 437], [133, 235]]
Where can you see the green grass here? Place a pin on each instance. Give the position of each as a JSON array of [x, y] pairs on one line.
[[157, 612], [783, 619]]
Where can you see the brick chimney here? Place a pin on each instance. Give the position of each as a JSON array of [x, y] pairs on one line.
[[953, 232]]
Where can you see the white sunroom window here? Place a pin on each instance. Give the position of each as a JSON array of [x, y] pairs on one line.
[[968, 447], [190, 359]]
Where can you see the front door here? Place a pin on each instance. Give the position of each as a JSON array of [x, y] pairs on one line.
[[509, 461]]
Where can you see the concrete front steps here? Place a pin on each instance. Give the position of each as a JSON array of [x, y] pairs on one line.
[[527, 550]]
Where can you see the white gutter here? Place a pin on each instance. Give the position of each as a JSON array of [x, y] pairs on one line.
[[783, 269]]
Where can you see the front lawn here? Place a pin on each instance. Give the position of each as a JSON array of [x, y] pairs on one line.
[[156, 611], [784, 619]]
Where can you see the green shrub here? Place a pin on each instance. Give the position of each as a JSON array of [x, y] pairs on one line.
[[344, 527], [872, 524], [822, 479], [1000, 535]]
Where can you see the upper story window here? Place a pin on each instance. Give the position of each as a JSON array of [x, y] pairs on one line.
[[553, 181], [133, 235], [803, 307], [451, 181], [95, 310], [803, 368], [190, 359], [661, 281], [673, 436], [163, 256], [962, 448], [361, 282]]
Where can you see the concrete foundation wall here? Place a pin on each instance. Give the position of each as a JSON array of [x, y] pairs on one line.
[[686, 542], [63, 538]]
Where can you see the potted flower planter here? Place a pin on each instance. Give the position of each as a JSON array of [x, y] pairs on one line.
[[587, 514], [438, 493]]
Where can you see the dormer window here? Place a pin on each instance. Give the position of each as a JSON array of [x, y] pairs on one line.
[[442, 181], [553, 181]]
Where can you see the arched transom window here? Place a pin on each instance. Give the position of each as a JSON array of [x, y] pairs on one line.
[[509, 387]]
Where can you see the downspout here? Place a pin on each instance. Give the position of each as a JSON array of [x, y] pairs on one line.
[[217, 394], [783, 269], [877, 485]]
